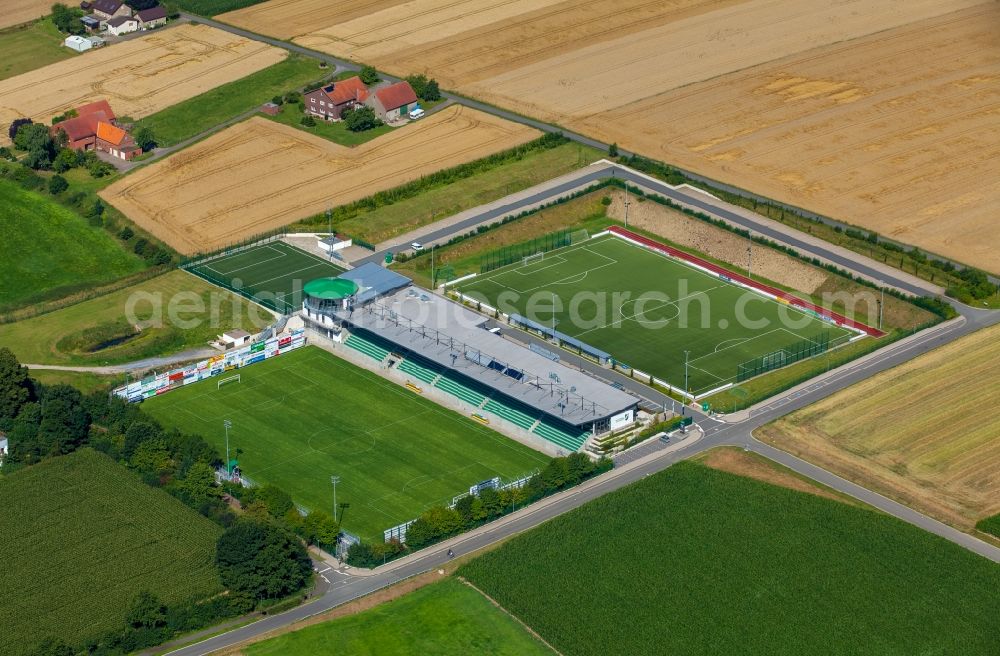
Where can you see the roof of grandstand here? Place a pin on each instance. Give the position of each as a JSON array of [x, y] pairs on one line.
[[450, 335], [374, 280], [330, 288]]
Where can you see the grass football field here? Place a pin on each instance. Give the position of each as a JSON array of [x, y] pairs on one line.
[[82, 536], [646, 310], [697, 561], [272, 274], [307, 415]]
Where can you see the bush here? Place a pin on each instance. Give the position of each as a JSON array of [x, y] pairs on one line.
[[57, 185], [359, 119], [260, 560], [308, 121], [126, 233], [278, 100], [65, 160], [613, 150], [145, 139], [369, 75]]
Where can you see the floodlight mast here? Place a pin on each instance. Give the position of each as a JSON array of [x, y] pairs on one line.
[[229, 471]]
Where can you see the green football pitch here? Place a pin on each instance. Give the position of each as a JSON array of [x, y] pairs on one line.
[[271, 274], [651, 312], [305, 416]]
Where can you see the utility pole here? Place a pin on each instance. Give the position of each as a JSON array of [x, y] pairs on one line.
[[229, 473], [749, 252], [627, 203], [881, 304], [335, 480], [686, 387], [433, 246]]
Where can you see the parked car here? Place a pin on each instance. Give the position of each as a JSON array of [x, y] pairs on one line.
[[417, 246], [414, 114]]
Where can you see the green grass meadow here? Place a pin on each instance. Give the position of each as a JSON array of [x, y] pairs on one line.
[[81, 537], [598, 287], [305, 416], [214, 7], [32, 46], [697, 561], [273, 274], [48, 250], [335, 131], [203, 112], [176, 310], [447, 618]]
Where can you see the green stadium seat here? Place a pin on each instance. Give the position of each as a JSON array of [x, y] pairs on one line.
[[460, 391], [515, 417], [561, 438], [417, 371], [368, 348]]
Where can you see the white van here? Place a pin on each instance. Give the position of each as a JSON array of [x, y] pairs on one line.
[[416, 113]]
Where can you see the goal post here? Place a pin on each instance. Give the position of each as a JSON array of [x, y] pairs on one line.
[[228, 379], [531, 259]]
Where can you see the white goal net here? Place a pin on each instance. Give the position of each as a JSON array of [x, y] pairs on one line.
[[531, 259], [229, 379]]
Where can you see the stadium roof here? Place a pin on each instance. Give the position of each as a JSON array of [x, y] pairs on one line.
[[374, 280], [450, 335], [330, 288]]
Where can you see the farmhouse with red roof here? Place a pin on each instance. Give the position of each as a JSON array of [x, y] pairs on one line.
[[329, 102], [391, 103], [94, 128]]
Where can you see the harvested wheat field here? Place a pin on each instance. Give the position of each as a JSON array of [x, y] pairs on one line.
[[138, 77], [260, 175], [925, 433], [898, 132], [17, 12]]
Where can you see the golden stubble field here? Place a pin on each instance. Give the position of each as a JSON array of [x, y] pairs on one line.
[[925, 433], [260, 175], [880, 113], [138, 77], [16, 12]]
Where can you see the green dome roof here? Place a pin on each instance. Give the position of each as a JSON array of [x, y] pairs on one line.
[[330, 288]]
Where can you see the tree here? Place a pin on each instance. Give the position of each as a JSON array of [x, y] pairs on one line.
[[308, 121], [126, 233], [147, 612], [278, 100], [320, 528], [152, 458], [140, 5], [52, 647], [65, 160], [492, 503], [15, 125], [145, 139], [278, 501], [369, 75], [261, 560], [418, 83], [360, 119], [613, 150], [57, 185], [432, 91], [65, 423], [6, 154], [464, 509], [35, 139], [15, 387], [67, 20]]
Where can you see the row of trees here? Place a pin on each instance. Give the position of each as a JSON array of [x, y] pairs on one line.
[[440, 522]]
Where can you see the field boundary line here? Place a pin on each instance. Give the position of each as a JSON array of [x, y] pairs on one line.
[[280, 254], [514, 617]]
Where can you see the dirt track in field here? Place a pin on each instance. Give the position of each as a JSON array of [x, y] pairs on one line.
[[924, 433], [138, 77], [260, 175], [16, 12]]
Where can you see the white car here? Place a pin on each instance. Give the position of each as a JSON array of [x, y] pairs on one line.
[[417, 246], [414, 114]]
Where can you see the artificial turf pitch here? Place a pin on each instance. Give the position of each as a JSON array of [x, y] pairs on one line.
[[271, 274], [307, 415], [647, 310]]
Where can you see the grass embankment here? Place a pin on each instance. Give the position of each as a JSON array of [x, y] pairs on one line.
[[48, 250], [176, 311], [86, 382], [196, 115], [923, 433], [697, 561], [396, 452], [378, 221], [82, 537], [447, 618], [28, 47]]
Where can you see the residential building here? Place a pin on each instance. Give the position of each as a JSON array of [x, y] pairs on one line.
[[152, 17], [329, 102], [78, 43], [108, 9], [392, 103], [122, 25], [116, 142]]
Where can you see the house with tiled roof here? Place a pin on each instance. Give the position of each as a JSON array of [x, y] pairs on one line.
[[152, 17], [122, 25], [391, 103], [94, 128], [116, 142], [107, 9], [329, 102]]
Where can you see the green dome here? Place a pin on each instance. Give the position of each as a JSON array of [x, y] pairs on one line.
[[330, 289]]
